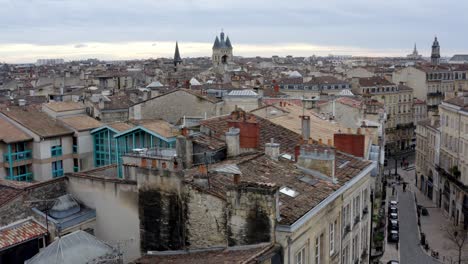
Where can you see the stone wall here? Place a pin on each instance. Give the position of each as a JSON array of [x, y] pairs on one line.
[[206, 219], [173, 106], [251, 214]]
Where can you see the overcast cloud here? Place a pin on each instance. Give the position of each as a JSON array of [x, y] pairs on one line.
[[374, 26]]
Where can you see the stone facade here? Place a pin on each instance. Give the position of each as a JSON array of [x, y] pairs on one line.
[[172, 106]]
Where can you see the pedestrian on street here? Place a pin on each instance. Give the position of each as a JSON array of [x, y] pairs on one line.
[[404, 186], [393, 190]]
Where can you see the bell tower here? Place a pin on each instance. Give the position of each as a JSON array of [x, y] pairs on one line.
[[222, 52], [435, 55]]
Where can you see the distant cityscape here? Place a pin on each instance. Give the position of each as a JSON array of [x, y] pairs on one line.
[[229, 159]]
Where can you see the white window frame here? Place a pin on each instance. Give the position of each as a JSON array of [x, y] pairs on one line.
[[317, 250], [331, 233], [300, 256]]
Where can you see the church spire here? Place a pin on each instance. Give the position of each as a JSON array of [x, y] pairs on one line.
[[177, 58]]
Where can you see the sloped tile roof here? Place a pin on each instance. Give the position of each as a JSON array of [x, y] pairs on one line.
[[20, 232]]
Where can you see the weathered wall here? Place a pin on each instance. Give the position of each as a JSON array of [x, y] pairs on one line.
[[162, 220], [251, 215], [171, 107], [116, 205], [206, 219]]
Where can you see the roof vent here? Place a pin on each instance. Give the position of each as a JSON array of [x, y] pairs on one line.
[[308, 180]]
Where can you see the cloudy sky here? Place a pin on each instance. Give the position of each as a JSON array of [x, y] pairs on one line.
[[125, 29]]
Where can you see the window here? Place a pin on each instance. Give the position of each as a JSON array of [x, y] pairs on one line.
[[300, 256], [56, 150], [331, 231], [345, 255], [57, 169]]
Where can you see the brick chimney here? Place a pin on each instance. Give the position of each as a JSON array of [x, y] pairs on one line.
[[272, 149], [318, 160], [353, 144], [305, 121], [201, 177], [249, 129]]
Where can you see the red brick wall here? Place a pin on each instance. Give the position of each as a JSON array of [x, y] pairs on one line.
[[350, 143], [249, 133]]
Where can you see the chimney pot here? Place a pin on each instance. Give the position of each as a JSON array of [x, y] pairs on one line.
[[320, 141]]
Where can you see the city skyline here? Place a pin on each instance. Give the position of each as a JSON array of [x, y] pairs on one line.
[[122, 30]]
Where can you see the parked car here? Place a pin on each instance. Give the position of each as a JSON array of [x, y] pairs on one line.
[[393, 216], [392, 203], [393, 224], [392, 210], [393, 262], [393, 236]]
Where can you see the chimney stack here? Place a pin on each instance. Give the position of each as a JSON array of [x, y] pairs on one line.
[[319, 159], [233, 142], [305, 127], [272, 149]]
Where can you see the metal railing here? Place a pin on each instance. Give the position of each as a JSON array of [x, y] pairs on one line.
[[21, 177], [18, 156]]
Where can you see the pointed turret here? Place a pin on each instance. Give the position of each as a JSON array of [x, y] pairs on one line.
[[216, 43], [177, 58], [228, 43]]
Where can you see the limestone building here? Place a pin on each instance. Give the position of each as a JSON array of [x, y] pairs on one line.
[[222, 52], [398, 103]]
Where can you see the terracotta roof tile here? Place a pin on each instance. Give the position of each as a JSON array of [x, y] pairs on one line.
[[20, 232]]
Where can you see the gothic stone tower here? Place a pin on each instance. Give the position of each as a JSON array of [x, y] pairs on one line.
[[435, 55], [222, 52], [177, 58]]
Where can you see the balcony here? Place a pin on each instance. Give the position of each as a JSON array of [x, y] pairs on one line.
[[21, 177], [453, 176], [405, 125], [56, 151], [18, 156], [434, 94]]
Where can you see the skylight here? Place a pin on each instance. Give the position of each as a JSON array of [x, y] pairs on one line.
[[289, 192]]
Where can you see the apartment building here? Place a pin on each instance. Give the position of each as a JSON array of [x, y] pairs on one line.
[[73, 116], [453, 165], [15, 153], [427, 158], [433, 83], [398, 104], [50, 152]]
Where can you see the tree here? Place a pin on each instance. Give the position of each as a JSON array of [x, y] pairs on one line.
[[459, 237]]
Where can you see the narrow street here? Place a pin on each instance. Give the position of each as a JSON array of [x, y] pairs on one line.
[[410, 249]]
